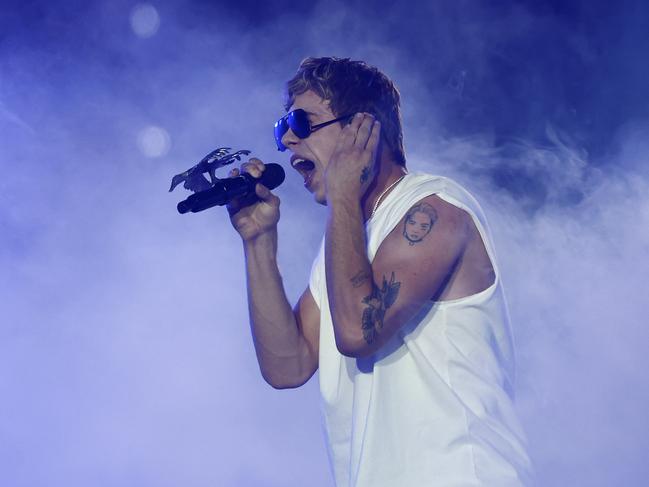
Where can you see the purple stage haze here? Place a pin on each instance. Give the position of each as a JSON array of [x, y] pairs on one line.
[[125, 351]]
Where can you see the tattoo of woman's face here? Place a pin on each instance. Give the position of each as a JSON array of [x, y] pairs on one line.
[[419, 222]]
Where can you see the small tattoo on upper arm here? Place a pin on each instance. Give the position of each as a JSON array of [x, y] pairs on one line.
[[365, 174], [360, 278], [377, 303], [419, 222]]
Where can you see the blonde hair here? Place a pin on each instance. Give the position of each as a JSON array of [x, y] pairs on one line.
[[351, 87]]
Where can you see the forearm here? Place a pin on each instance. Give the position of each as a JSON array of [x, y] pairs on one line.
[[281, 351], [349, 273]]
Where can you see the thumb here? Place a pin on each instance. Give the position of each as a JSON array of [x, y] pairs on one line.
[[264, 194]]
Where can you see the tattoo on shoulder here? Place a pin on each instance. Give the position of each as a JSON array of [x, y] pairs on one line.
[[360, 278], [365, 174], [377, 303], [419, 222]]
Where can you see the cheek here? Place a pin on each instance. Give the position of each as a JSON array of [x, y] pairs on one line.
[[317, 154], [323, 144]]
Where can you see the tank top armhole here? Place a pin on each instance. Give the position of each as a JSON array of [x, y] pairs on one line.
[[484, 233], [316, 277]]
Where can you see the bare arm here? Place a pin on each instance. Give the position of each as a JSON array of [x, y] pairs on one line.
[[370, 303], [286, 340]]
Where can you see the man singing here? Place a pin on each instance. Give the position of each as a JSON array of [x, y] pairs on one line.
[[404, 315]]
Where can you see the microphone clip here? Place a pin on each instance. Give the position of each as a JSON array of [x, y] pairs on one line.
[[219, 192], [194, 179]]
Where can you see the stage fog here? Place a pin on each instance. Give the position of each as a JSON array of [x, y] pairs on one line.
[[125, 350]]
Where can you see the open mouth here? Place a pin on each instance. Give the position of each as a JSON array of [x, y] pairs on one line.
[[305, 167]]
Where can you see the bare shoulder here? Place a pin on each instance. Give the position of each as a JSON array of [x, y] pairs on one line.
[[441, 214], [425, 248], [441, 245], [428, 225]]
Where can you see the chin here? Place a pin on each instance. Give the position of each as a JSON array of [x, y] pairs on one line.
[[320, 199], [319, 195]]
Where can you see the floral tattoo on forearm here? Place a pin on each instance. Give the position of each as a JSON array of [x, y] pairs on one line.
[[377, 303]]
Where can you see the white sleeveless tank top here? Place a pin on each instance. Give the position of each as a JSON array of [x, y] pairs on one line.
[[433, 407]]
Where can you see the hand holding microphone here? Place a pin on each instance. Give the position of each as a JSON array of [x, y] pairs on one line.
[[240, 186], [253, 209], [258, 212]]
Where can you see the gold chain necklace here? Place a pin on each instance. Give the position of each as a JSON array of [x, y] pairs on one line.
[[378, 200]]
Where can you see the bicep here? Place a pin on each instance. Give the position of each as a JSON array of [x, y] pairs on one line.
[[417, 259], [307, 315]]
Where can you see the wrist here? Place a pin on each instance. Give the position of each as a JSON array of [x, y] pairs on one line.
[[262, 242], [343, 198]]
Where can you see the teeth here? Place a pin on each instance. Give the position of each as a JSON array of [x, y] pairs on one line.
[[303, 165]]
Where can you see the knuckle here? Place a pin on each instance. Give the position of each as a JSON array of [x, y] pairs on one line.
[[249, 168]]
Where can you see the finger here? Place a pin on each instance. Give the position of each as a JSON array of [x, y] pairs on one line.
[[234, 172], [252, 169], [364, 131], [348, 134], [357, 120], [356, 123], [374, 138], [232, 209], [258, 163], [233, 206], [264, 194]]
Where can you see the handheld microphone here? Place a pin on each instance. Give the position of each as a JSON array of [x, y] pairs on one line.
[[225, 190]]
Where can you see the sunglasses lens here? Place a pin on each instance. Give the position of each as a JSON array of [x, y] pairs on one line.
[[281, 127], [299, 123]]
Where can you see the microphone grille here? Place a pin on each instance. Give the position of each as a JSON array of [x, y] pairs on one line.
[[273, 175]]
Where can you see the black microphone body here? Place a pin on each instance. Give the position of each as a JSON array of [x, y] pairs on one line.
[[225, 190]]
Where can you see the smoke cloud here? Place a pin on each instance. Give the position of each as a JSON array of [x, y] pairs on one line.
[[125, 353]]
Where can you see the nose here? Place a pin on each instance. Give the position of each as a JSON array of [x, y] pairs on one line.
[[289, 138]]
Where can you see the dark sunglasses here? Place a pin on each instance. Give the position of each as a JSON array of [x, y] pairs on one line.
[[298, 122]]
